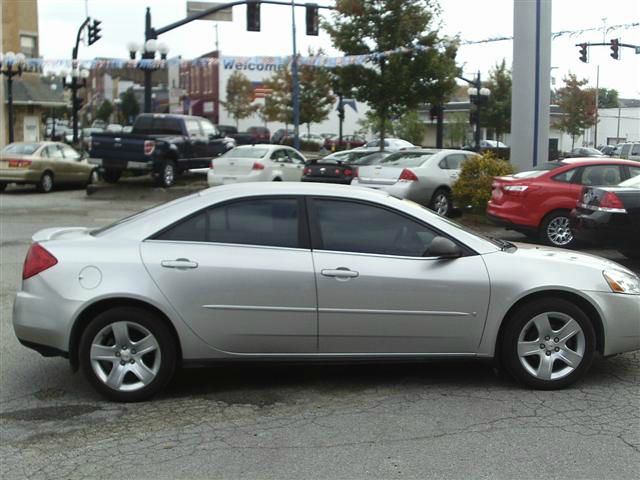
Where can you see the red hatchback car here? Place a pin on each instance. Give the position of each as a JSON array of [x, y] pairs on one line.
[[538, 202]]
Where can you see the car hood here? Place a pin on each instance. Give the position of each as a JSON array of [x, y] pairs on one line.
[[538, 252]]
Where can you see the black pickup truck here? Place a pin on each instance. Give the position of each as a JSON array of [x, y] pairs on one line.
[[163, 145]]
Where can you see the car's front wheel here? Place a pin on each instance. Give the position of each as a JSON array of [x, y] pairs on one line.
[[127, 354], [548, 343]]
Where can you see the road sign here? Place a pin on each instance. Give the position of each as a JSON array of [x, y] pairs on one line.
[[225, 15]]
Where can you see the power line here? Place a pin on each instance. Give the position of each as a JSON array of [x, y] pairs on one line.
[[561, 33]]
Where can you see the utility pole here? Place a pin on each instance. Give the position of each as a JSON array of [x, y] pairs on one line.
[[595, 128], [295, 80]]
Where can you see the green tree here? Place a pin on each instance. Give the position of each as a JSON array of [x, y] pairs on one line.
[[394, 84], [239, 101], [278, 104], [104, 111], [371, 123], [316, 97], [410, 127], [496, 113], [577, 106], [129, 107], [457, 128], [608, 98]]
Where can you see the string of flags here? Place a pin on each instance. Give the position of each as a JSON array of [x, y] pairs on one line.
[[235, 62]]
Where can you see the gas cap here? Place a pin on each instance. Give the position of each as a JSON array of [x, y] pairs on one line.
[[90, 277]]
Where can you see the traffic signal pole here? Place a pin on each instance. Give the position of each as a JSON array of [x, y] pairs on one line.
[[74, 80], [296, 81]]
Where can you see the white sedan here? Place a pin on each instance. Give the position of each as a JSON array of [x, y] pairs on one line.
[[257, 163]]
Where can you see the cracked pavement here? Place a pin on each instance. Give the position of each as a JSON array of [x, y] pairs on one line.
[[283, 421]]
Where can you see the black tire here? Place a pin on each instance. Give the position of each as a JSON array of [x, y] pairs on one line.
[[45, 184], [111, 176], [94, 177], [3, 186], [135, 317], [632, 254], [277, 179], [441, 202], [166, 177], [580, 346], [555, 230]]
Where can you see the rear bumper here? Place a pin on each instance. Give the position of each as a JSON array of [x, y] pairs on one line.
[[605, 230], [108, 164], [340, 181], [511, 216], [19, 176], [509, 225], [215, 179]]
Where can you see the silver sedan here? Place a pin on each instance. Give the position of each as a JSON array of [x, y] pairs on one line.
[[296, 271], [425, 176]]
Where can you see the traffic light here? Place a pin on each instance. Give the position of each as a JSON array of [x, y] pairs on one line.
[[583, 52], [94, 32], [615, 47], [253, 16], [312, 19]]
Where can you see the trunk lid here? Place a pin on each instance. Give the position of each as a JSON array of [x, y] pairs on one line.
[[379, 174]]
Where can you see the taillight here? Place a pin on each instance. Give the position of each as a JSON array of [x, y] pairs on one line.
[[348, 172], [356, 172], [37, 260], [258, 166], [307, 171], [19, 163], [211, 165], [611, 201], [408, 176], [149, 147]]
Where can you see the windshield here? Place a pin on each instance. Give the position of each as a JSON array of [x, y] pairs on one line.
[[21, 148], [247, 152], [406, 159]]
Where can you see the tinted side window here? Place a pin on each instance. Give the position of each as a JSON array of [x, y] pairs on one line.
[[296, 157], [601, 175], [565, 177], [636, 149], [208, 128], [634, 171], [355, 227], [270, 222], [193, 128], [455, 161]]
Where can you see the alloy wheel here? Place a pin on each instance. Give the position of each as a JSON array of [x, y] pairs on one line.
[[125, 356], [441, 204], [46, 183], [559, 232], [168, 175], [551, 346]]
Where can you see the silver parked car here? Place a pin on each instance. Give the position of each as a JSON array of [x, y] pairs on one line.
[[302, 271], [256, 163], [425, 176]]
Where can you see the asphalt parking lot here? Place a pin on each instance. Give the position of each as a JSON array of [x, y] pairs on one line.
[[405, 420]]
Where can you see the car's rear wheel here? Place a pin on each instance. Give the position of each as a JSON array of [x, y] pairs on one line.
[[111, 176], [555, 230], [128, 354], [45, 185], [441, 202], [548, 344], [167, 175]]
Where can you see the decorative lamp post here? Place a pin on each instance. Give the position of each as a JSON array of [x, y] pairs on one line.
[[478, 95], [148, 52], [74, 80], [11, 65]]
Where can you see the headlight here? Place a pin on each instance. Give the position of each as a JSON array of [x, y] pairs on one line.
[[622, 282]]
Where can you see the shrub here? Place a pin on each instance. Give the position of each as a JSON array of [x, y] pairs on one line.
[[473, 188], [304, 146]]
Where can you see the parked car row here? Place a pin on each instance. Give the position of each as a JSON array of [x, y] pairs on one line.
[[539, 202], [626, 150], [425, 176]]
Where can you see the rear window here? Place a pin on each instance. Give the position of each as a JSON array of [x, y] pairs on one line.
[[148, 125], [21, 148], [404, 159], [246, 153], [371, 159]]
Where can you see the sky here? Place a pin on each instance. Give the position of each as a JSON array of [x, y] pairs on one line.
[[123, 21]]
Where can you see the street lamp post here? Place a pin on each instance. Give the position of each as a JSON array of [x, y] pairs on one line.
[[11, 65], [148, 52], [478, 95], [74, 80]]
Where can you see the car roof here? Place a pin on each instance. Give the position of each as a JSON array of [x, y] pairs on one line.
[[578, 162], [263, 146]]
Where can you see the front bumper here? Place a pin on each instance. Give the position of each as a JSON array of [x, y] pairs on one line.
[[621, 321]]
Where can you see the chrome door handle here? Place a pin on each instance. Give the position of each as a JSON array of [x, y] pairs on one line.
[[340, 273], [179, 263]]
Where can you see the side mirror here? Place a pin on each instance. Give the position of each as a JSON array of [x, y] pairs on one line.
[[442, 247]]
